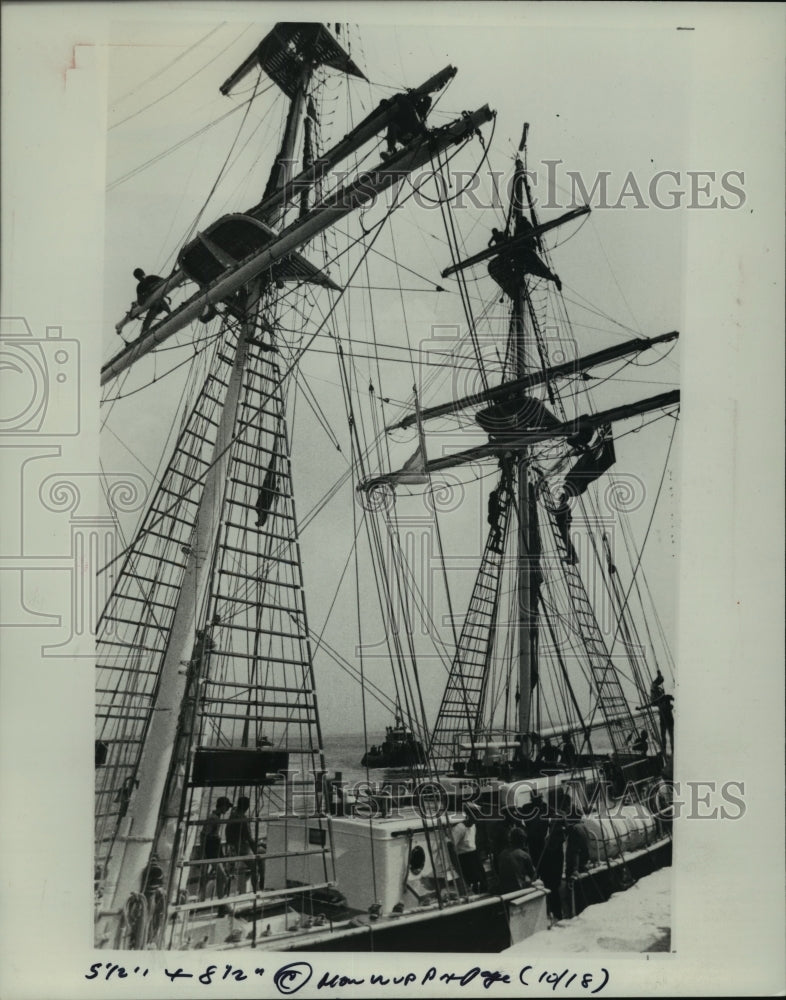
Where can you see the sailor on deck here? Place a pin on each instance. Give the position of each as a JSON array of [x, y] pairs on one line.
[[641, 744], [241, 844], [146, 285], [664, 704], [470, 867], [567, 754], [515, 867], [549, 754], [212, 849]]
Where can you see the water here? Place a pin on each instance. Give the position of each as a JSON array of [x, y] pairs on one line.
[[344, 752]]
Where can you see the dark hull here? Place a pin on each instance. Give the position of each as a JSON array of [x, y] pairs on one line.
[[477, 927], [398, 759], [484, 926], [399, 750], [598, 885]]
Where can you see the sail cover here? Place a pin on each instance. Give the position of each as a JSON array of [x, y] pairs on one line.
[[516, 415]]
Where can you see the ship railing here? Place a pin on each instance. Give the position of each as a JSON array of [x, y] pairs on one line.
[[263, 855], [261, 896]]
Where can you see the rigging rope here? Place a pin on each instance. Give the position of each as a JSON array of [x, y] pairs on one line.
[[178, 145], [188, 79], [169, 65]]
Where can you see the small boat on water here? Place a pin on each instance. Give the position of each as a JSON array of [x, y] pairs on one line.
[[399, 749]]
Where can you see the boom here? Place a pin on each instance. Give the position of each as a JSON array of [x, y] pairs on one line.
[[515, 386], [512, 442], [371, 125]]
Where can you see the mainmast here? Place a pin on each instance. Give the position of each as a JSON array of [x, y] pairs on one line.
[[223, 459], [160, 773], [523, 568]]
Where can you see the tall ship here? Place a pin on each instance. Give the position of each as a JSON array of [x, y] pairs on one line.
[[464, 559]]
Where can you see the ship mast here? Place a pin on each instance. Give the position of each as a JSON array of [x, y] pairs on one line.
[[515, 423], [523, 568], [159, 765]]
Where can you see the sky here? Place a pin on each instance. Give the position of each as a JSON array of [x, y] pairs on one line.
[[625, 263]]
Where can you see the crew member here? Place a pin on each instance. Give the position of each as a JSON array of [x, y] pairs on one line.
[[212, 849], [522, 258], [470, 868], [515, 867], [408, 120], [527, 256], [146, 285], [267, 494], [665, 706], [549, 754], [240, 842], [494, 512], [567, 754], [577, 859], [641, 743], [552, 863]]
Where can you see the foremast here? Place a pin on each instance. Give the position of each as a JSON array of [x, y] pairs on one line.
[[184, 695], [162, 770]]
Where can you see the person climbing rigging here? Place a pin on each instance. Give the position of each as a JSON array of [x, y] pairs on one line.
[[267, 494], [408, 121], [494, 512], [527, 256], [146, 285], [521, 258]]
